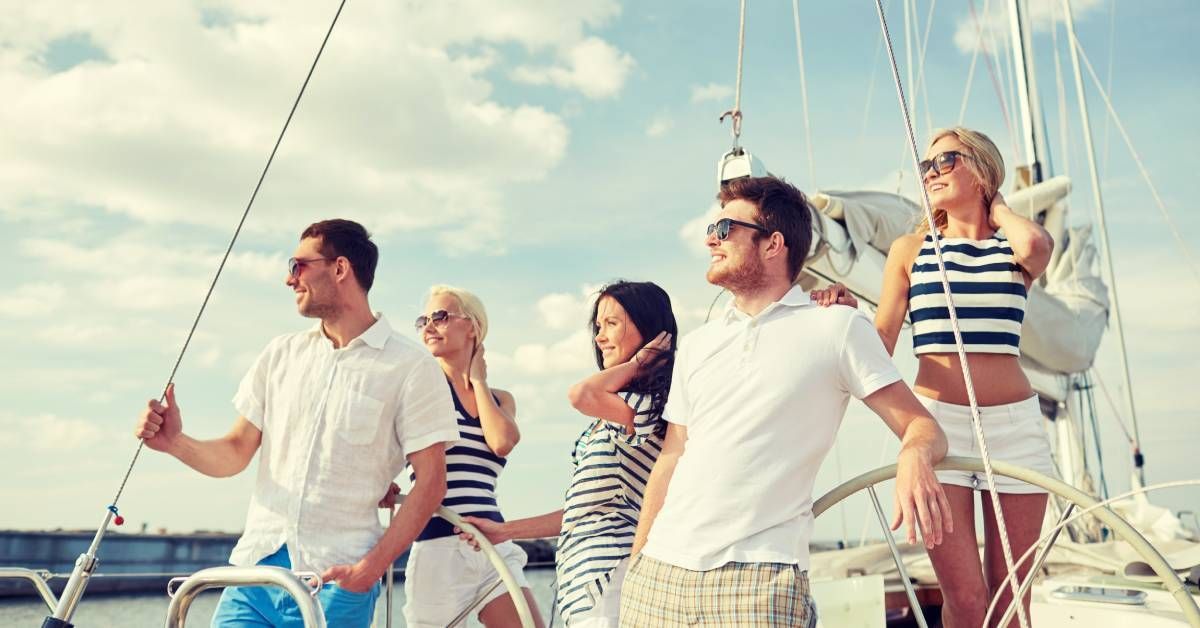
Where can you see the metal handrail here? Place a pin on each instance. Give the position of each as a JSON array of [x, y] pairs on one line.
[[302, 586], [36, 578], [1121, 528]]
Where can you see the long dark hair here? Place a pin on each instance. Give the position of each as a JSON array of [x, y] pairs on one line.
[[649, 309]]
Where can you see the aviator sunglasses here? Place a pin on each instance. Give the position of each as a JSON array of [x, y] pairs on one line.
[[295, 264], [722, 226], [942, 163], [437, 317]]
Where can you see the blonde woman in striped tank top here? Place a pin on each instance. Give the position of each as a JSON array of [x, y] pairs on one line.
[[992, 257]]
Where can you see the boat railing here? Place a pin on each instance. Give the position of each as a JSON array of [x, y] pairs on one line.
[[302, 586], [37, 578], [1121, 528]]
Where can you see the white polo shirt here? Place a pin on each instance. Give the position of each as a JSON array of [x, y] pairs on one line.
[[336, 427], [762, 398]]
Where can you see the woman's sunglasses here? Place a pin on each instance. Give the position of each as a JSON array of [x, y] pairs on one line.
[[942, 163], [722, 226], [438, 317]]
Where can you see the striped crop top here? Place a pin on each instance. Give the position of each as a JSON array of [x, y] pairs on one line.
[[989, 294], [471, 473]]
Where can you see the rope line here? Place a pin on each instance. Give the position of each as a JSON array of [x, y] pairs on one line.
[[962, 356], [229, 249], [812, 176], [736, 113]]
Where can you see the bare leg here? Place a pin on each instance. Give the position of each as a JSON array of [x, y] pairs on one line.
[[956, 563], [502, 613], [1023, 515]]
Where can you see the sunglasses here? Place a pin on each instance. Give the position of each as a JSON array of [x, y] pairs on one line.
[[295, 264], [438, 317], [722, 226], [942, 163]]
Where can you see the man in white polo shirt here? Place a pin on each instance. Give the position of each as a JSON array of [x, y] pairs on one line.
[[336, 411], [756, 399]]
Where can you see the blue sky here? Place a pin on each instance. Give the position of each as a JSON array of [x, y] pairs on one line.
[[528, 154]]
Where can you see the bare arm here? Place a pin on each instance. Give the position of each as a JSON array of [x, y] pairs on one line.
[[596, 395], [161, 426], [919, 496], [427, 493], [893, 297], [539, 527], [498, 420], [1031, 244], [660, 480]]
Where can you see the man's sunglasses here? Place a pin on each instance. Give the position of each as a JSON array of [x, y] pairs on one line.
[[295, 264], [942, 163], [438, 317], [722, 226]]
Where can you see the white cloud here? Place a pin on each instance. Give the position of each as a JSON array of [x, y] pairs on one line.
[[594, 67], [562, 311], [32, 299], [711, 92], [996, 25], [398, 128], [693, 232], [569, 355], [50, 433], [659, 125]]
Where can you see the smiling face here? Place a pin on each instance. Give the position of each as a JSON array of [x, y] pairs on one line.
[[959, 188], [736, 263], [455, 334], [616, 336], [314, 285]]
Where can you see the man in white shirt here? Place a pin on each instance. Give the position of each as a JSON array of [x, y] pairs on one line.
[[756, 399], [336, 411]]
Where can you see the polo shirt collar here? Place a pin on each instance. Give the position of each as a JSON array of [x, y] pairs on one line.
[[795, 297]]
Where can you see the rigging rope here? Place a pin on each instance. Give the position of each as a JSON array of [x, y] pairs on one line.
[[812, 176], [229, 249], [958, 341], [736, 113]]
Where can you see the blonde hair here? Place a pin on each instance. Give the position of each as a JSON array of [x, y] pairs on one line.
[[985, 162], [471, 306]]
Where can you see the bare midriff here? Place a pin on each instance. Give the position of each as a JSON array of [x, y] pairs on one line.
[[998, 379]]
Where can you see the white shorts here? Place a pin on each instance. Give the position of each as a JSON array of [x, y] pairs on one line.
[[444, 576], [1015, 433], [606, 607]]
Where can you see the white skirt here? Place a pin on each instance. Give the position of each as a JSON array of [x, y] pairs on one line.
[[443, 576], [1014, 432]]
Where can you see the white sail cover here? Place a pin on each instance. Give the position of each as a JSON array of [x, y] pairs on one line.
[[1067, 309]]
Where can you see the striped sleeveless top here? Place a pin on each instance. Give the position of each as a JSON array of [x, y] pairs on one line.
[[471, 473], [603, 501], [989, 293]]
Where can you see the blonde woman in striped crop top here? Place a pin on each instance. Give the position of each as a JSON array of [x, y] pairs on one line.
[[992, 256]]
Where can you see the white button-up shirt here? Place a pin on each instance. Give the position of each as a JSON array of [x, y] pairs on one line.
[[336, 427], [762, 398]]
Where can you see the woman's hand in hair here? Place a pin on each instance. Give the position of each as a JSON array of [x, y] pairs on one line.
[[661, 343], [478, 372], [996, 207], [835, 294]]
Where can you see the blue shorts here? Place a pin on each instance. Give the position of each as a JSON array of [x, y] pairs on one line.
[[272, 606]]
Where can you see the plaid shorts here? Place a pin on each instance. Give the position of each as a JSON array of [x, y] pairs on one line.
[[735, 594]]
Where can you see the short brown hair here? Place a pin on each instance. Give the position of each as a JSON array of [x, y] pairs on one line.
[[348, 239], [781, 207]]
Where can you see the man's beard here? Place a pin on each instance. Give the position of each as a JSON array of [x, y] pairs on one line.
[[313, 308], [746, 276]]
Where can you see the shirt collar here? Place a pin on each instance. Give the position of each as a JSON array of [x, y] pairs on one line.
[[374, 336], [795, 297]]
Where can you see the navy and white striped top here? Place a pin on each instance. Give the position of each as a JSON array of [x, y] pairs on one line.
[[603, 501], [989, 293], [471, 473]]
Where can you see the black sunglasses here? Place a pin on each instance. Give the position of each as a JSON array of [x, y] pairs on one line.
[[295, 264], [722, 226], [942, 163], [438, 317]]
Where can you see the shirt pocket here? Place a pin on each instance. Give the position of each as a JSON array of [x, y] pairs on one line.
[[356, 417]]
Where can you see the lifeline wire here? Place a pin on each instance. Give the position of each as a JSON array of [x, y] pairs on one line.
[[962, 357], [229, 249]]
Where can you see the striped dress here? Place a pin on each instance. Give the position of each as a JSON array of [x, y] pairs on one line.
[[989, 293], [603, 501], [471, 473]]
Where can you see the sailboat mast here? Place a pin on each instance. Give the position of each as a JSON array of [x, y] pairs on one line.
[[1026, 80], [1105, 248]]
